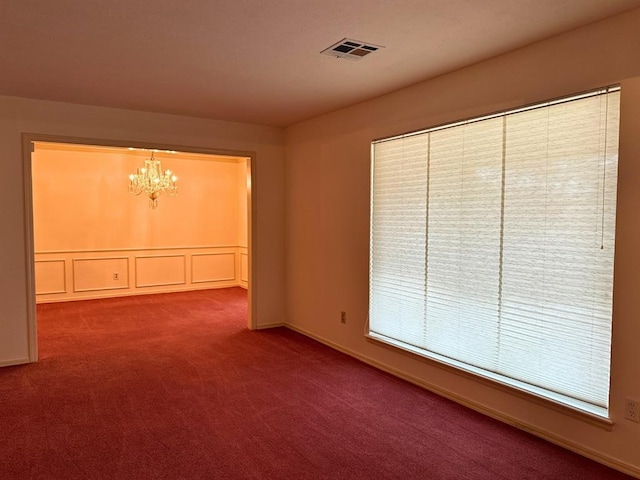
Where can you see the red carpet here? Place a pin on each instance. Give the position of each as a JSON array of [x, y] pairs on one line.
[[174, 386]]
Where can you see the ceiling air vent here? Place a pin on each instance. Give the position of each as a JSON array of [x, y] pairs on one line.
[[352, 49]]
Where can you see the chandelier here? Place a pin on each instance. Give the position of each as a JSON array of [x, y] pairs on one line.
[[152, 181]]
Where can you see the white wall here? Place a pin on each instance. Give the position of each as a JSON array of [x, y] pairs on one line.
[[18, 116], [327, 219]]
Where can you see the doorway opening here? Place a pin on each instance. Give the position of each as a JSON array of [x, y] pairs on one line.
[[90, 238]]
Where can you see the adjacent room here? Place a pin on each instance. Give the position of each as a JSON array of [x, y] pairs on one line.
[[94, 237]]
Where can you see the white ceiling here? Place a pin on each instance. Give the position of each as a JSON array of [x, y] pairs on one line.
[[258, 61]]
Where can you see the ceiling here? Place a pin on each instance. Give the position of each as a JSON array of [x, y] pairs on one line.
[[259, 61]]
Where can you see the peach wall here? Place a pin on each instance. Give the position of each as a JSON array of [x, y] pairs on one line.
[[18, 116], [81, 201], [327, 220]]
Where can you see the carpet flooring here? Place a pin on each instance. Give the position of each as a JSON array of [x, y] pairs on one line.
[[174, 386]]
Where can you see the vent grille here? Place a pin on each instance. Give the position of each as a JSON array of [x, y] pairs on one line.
[[351, 49]]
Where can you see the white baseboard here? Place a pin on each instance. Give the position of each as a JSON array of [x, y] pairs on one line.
[[125, 293], [532, 429], [17, 361], [270, 325]]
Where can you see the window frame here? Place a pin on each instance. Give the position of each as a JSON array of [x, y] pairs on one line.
[[584, 409]]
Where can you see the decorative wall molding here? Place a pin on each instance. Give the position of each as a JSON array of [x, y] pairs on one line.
[[160, 270], [95, 274], [244, 267], [205, 267], [119, 272], [49, 275], [136, 249]]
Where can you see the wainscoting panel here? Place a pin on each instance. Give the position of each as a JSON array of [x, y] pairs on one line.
[[77, 275], [244, 267], [91, 274], [160, 270], [213, 267], [50, 277]]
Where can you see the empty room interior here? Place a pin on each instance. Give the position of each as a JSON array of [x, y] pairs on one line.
[[305, 239], [87, 248]]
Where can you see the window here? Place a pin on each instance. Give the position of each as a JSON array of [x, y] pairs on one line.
[[492, 244]]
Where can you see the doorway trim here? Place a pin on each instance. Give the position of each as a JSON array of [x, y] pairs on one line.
[[27, 150]]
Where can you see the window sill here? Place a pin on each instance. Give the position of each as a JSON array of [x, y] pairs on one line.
[[573, 408]]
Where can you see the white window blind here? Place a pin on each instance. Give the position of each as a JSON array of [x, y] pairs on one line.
[[492, 245]]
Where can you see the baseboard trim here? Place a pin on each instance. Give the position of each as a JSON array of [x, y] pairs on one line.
[[121, 293], [270, 325], [16, 361], [538, 432]]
